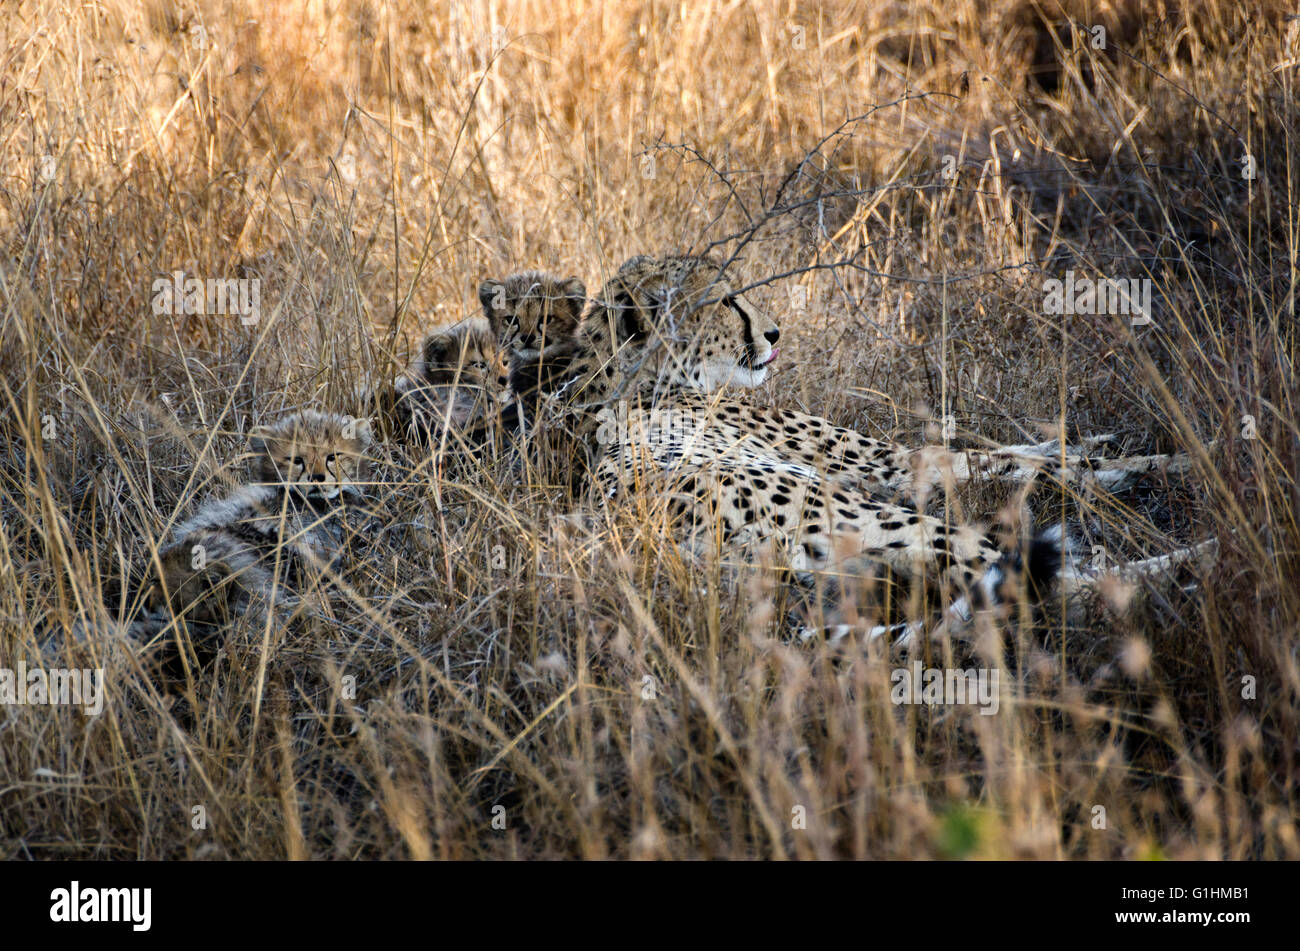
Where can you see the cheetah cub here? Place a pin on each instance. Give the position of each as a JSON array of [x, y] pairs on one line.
[[532, 313], [536, 317], [458, 380], [254, 550]]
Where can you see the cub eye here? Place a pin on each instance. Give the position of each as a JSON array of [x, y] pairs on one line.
[[298, 461], [330, 458]]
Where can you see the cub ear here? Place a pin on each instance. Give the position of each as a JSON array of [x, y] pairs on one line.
[[259, 438], [360, 431], [436, 349], [575, 292], [492, 295]]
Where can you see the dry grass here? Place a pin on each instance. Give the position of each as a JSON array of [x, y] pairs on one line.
[[371, 162]]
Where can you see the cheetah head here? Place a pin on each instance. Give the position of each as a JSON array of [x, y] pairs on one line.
[[318, 456], [459, 376], [531, 310], [464, 355], [681, 318]]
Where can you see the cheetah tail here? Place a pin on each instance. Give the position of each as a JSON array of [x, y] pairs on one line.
[[1049, 556]]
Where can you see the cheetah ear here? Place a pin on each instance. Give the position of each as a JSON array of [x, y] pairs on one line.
[[259, 439], [575, 292], [630, 320], [492, 295], [634, 262], [436, 348], [362, 433]]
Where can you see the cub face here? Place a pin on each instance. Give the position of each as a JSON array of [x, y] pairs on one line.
[[315, 455], [699, 332], [459, 378], [531, 311], [465, 354]]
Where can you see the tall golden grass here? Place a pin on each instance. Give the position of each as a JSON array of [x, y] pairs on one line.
[[533, 686]]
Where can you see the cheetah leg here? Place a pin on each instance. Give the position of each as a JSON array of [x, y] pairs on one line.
[[1083, 586], [1114, 475], [1205, 554], [1080, 588], [1083, 468], [909, 544], [1052, 447], [1048, 559], [936, 467], [1111, 475], [901, 635]]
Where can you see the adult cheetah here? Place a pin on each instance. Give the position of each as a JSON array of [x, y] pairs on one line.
[[637, 394]]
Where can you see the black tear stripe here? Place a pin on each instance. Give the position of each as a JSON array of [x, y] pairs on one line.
[[750, 353]]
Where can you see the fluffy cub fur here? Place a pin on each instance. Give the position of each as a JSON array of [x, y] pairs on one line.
[[531, 312], [256, 549], [457, 382]]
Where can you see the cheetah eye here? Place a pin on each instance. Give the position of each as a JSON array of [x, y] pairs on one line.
[[298, 461], [329, 460]]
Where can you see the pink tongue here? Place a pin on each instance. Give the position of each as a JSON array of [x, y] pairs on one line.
[[775, 351]]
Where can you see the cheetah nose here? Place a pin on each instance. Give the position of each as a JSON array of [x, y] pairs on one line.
[[772, 336], [503, 380], [317, 477]]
